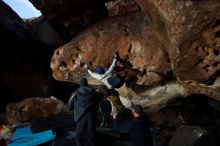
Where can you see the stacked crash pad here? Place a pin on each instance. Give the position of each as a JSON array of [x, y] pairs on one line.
[[24, 137]]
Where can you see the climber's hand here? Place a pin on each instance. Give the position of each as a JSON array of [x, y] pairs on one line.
[[116, 55]]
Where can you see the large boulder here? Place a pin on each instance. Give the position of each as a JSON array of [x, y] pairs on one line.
[[176, 42], [32, 109], [132, 37], [69, 17], [129, 35]]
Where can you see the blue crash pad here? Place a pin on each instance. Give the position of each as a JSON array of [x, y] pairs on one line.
[[24, 137]]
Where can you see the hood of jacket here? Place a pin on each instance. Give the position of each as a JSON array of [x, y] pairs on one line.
[[85, 90]]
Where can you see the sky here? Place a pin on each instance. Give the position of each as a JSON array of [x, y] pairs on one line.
[[23, 8]]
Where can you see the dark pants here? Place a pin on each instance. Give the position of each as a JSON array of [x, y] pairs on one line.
[[85, 130]]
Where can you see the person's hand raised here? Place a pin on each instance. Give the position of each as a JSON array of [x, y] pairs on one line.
[[116, 55]]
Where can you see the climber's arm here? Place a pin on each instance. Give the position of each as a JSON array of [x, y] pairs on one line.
[[95, 75], [112, 67]]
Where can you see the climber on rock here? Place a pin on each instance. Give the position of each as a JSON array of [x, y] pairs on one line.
[[115, 76], [103, 75]]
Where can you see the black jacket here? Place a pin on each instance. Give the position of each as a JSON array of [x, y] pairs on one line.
[[86, 102], [140, 134]]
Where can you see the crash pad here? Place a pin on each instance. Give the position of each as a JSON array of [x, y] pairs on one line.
[[24, 137]]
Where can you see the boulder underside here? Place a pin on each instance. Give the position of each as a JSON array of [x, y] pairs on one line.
[[177, 43]]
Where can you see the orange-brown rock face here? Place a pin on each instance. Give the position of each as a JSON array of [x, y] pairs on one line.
[[175, 36], [129, 35]]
